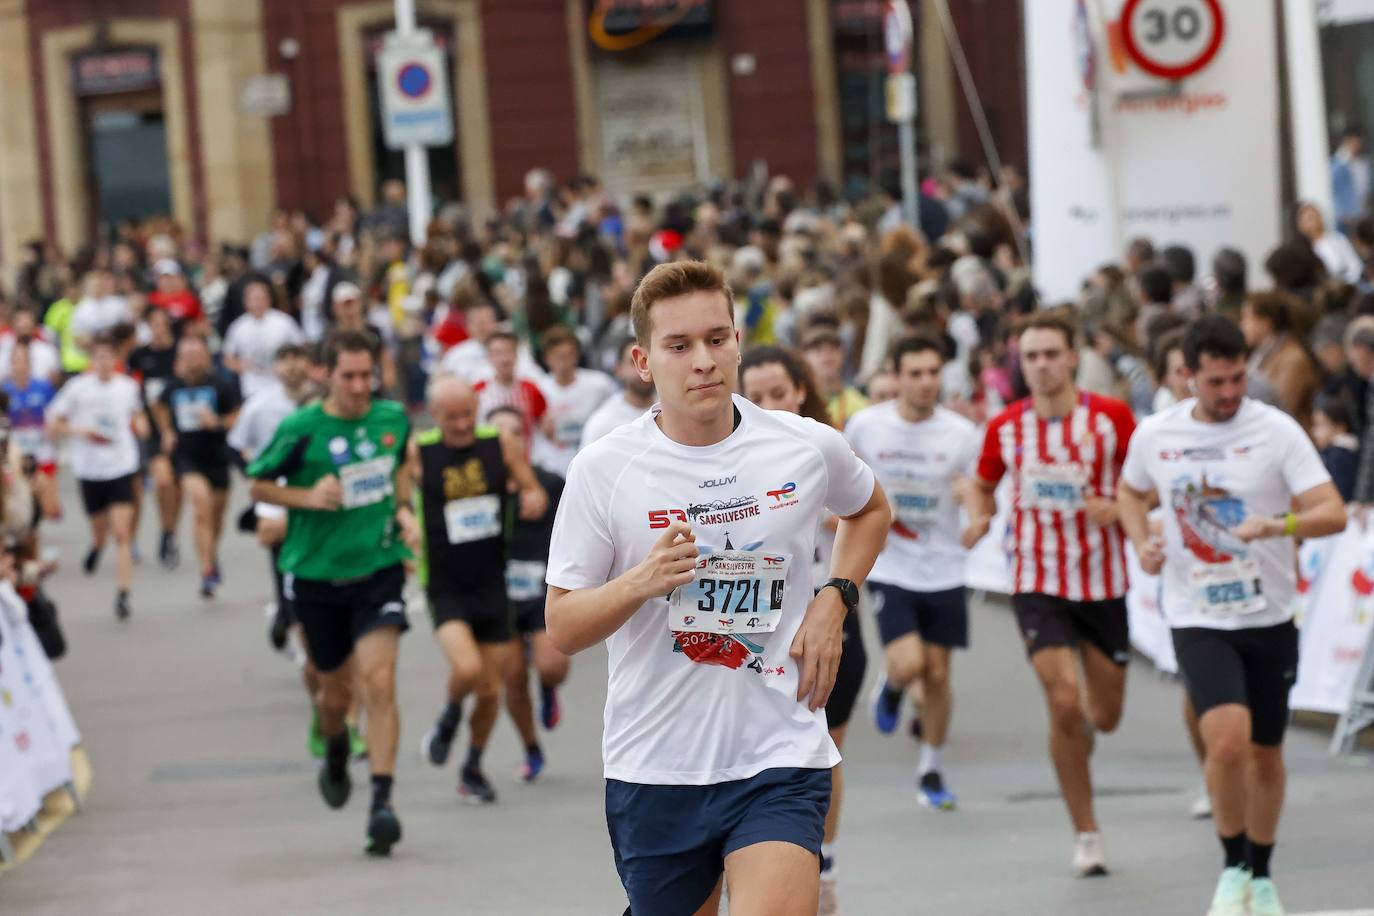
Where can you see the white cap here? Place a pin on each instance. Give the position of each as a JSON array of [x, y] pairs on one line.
[[166, 267], [347, 290]]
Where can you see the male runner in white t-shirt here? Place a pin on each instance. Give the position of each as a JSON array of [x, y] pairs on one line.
[[1239, 481], [572, 394], [923, 455], [635, 397], [684, 540]]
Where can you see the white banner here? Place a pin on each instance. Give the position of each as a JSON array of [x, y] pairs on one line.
[[1161, 122]]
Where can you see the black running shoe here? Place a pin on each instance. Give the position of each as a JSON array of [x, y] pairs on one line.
[[121, 607], [474, 788], [438, 742], [383, 831], [281, 626], [167, 553], [334, 791], [92, 560]]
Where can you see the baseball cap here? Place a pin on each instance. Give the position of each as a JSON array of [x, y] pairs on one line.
[[166, 267], [347, 290]]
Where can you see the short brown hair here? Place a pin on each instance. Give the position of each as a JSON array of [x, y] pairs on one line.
[[348, 342], [668, 281], [557, 335], [1054, 319]]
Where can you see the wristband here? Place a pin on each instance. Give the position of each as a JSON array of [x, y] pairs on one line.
[[1290, 525]]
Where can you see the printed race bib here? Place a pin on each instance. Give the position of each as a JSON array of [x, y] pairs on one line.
[[366, 482], [29, 439], [473, 519], [1229, 589], [568, 432], [525, 580], [153, 388], [1053, 487], [916, 503], [735, 591]]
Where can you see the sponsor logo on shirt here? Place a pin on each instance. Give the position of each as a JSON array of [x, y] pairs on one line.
[[1207, 453], [366, 449], [724, 511], [388, 440], [717, 482], [338, 449], [783, 497], [662, 518]]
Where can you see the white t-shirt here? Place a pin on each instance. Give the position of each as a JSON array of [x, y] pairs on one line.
[[256, 341], [469, 360], [917, 464], [615, 412], [109, 407], [733, 712], [92, 316], [259, 418], [44, 360], [569, 409], [1210, 477]]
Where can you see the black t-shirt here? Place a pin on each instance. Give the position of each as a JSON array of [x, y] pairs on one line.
[[152, 368], [183, 400], [529, 540]]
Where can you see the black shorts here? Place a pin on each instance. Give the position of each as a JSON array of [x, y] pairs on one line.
[[849, 677], [335, 615], [484, 608], [99, 495], [939, 618], [1254, 668], [529, 616], [215, 472], [1047, 621]]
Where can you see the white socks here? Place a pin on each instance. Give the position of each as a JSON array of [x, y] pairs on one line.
[[930, 760]]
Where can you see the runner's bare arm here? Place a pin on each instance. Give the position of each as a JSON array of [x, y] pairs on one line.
[[1320, 512], [858, 540], [1133, 506], [576, 620], [982, 506], [533, 500], [325, 495]]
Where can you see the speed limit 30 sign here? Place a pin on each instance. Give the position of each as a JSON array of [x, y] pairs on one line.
[[1172, 39]]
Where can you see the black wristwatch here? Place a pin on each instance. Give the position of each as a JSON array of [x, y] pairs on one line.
[[849, 593]]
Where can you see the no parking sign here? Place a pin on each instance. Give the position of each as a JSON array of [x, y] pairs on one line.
[[413, 84], [1172, 39]]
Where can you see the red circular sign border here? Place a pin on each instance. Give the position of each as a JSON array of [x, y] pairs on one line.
[[1172, 73], [429, 85]]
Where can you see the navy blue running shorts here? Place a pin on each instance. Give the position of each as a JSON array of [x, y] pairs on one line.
[[670, 842], [939, 618]]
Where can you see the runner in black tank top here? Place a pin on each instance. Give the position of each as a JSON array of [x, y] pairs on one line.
[[463, 471]]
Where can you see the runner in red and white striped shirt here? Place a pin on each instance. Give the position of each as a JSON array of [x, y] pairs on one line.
[[1064, 449], [503, 389]]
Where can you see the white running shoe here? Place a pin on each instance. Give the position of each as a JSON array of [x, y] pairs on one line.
[[1232, 893], [1089, 857], [1202, 806], [1264, 898]]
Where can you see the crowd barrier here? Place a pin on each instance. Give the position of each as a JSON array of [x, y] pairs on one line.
[[37, 732], [1334, 607]]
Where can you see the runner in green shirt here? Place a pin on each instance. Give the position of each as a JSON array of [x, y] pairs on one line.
[[339, 468]]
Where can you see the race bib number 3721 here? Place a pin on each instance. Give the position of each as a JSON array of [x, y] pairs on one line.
[[735, 591]]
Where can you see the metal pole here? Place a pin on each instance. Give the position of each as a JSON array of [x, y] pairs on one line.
[[416, 155], [906, 139], [1307, 104]]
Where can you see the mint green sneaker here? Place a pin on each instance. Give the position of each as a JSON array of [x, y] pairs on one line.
[[1264, 898], [357, 744], [314, 741], [1232, 890]]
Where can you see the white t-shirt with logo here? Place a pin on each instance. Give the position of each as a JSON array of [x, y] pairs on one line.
[[1210, 477], [917, 464], [108, 407], [569, 408], [614, 413], [256, 341], [259, 418], [696, 708]]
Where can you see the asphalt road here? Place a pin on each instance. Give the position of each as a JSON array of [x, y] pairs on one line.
[[204, 798]]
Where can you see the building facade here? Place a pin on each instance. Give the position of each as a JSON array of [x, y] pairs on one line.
[[217, 111]]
